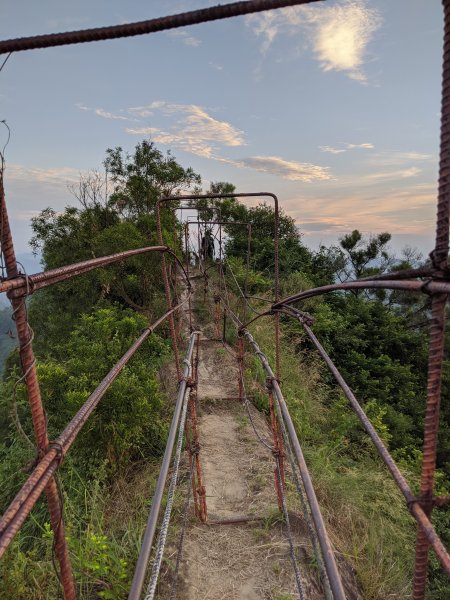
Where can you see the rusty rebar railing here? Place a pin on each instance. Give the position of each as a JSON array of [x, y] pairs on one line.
[[193, 17], [437, 285], [50, 454]]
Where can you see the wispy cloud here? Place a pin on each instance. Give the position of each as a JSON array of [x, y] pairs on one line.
[[345, 147], [185, 37], [109, 115], [287, 169], [338, 35], [105, 114], [332, 150], [404, 210], [387, 175], [56, 176], [191, 129], [366, 146], [394, 158]]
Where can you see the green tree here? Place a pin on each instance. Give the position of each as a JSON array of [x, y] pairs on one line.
[[105, 225], [142, 177], [365, 256]]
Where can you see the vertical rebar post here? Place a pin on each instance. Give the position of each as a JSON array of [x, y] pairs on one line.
[[198, 489], [439, 258], [186, 251], [28, 363], [167, 292]]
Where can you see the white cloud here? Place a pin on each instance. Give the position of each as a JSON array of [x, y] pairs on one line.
[[401, 174], [108, 115], [332, 150], [185, 37], [56, 176], [191, 129], [366, 146], [391, 158], [294, 171], [101, 112], [342, 35], [345, 147], [338, 35]]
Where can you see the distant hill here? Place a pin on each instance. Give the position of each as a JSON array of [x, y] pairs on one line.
[[8, 337]]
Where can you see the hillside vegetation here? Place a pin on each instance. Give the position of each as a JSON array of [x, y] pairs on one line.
[[82, 326]]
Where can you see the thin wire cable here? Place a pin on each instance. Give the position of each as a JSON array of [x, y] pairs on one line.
[[5, 61], [225, 260], [298, 579], [246, 403], [305, 510], [151, 589], [173, 589]]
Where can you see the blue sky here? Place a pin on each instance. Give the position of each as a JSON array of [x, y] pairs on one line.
[[333, 106]]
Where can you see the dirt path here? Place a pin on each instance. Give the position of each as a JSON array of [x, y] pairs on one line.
[[249, 561]]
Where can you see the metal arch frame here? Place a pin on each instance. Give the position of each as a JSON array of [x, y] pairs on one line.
[[198, 197], [226, 224]]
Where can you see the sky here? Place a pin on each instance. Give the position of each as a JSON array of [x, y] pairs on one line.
[[333, 106]]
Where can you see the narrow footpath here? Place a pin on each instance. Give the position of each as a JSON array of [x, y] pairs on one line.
[[249, 560]]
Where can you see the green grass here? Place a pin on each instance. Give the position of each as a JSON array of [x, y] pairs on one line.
[[366, 516]]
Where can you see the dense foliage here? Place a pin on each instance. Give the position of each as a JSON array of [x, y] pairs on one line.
[[378, 341]]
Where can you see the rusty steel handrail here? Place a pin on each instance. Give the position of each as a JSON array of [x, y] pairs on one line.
[[413, 503], [193, 17], [28, 284], [147, 542], [428, 287], [36, 281], [324, 542], [24, 501], [30, 377]]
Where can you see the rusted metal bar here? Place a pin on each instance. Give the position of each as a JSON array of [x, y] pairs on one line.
[[435, 358], [429, 287], [240, 357], [413, 503], [28, 363], [167, 293], [22, 284], [439, 259], [24, 501], [147, 542], [224, 325], [278, 472], [247, 265], [186, 243], [28, 284], [200, 489], [325, 545], [144, 27]]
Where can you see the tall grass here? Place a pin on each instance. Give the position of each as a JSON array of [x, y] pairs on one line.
[[366, 515]]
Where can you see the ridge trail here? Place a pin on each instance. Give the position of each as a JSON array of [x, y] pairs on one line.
[[246, 561]]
